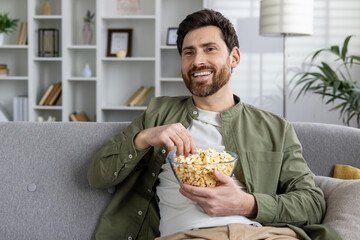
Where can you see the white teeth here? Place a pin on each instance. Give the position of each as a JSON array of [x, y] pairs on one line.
[[201, 74]]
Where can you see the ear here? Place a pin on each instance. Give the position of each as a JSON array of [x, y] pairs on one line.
[[235, 57]]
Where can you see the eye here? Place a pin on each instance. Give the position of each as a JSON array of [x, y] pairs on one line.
[[210, 49], [187, 53]]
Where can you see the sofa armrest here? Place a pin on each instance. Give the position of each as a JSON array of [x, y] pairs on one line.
[[342, 205]]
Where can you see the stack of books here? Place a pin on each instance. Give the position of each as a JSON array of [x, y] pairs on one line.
[[4, 72], [141, 97], [22, 37], [51, 95], [79, 117]]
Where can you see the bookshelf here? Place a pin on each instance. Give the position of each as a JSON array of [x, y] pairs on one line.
[[114, 80]]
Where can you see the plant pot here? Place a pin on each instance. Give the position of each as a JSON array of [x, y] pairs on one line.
[[2, 37], [87, 33]]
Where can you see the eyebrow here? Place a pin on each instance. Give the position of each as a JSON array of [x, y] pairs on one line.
[[202, 45]]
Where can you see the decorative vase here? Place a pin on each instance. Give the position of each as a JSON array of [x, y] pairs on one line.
[[87, 33], [86, 72], [2, 37], [46, 8]]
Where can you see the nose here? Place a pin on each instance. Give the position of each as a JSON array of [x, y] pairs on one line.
[[199, 59]]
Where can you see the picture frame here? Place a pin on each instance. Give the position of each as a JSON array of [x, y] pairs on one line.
[[171, 36], [48, 42], [119, 39]]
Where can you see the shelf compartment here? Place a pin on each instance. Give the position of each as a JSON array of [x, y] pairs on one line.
[[170, 64], [16, 61], [121, 80], [173, 12], [143, 35], [78, 59], [46, 112], [45, 73], [79, 9], [10, 89], [82, 98]]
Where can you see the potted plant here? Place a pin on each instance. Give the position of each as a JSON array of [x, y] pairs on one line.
[[333, 81], [87, 31], [7, 25]]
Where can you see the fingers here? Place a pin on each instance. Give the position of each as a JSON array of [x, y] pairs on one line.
[[222, 177], [182, 139], [170, 135]]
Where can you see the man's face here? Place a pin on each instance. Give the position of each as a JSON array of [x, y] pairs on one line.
[[205, 61]]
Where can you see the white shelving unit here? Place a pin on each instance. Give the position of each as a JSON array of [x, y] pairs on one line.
[[103, 95]]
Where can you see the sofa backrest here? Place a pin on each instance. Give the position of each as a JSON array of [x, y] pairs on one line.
[[325, 145], [44, 189]]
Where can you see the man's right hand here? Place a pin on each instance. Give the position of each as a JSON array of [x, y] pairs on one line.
[[169, 135]]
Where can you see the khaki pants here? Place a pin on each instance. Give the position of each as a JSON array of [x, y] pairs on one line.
[[235, 231]]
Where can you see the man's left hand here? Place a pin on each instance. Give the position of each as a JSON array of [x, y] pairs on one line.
[[223, 200]]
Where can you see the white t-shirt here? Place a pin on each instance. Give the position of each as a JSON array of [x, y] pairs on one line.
[[178, 213]]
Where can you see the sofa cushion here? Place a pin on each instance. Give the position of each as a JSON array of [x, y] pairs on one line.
[[342, 205], [346, 172]]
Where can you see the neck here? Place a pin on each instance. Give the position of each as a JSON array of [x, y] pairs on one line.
[[218, 102]]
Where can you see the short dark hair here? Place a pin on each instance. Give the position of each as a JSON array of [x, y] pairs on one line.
[[207, 17]]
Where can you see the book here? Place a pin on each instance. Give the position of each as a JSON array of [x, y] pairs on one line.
[[24, 34], [143, 100], [46, 94], [82, 117], [73, 117], [79, 117], [21, 29], [54, 94], [3, 66], [4, 71], [134, 98]]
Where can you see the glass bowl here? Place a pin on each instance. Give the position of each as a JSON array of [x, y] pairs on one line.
[[193, 171]]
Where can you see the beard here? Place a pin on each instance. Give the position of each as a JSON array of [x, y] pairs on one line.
[[203, 89]]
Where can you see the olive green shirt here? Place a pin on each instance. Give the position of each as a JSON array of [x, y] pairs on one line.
[[271, 167]]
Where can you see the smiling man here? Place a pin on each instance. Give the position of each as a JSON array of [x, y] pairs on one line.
[[272, 184]]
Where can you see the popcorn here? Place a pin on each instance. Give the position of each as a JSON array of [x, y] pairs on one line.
[[198, 169]]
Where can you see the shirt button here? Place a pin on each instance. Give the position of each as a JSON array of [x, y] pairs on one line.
[[130, 156], [149, 190], [129, 238], [153, 174], [195, 112], [115, 173], [163, 151], [140, 213]]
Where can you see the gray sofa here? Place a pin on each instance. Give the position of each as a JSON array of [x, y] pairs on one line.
[[45, 193]]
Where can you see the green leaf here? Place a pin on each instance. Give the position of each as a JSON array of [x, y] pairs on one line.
[[335, 50], [345, 47]]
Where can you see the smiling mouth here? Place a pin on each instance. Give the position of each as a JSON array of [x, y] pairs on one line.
[[201, 74]]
